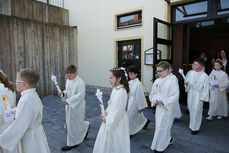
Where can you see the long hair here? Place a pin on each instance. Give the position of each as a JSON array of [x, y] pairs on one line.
[[225, 51], [119, 73], [4, 80]]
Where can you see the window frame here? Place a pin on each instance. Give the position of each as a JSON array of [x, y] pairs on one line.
[[117, 18], [211, 12]]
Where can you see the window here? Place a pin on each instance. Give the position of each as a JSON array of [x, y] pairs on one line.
[[222, 7], [200, 10], [191, 11], [58, 3], [129, 20], [129, 53]]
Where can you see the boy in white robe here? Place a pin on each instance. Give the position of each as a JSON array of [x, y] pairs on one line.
[[113, 135], [26, 134], [218, 94], [164, 95], [77, 127], [197, 87], [136, 103]]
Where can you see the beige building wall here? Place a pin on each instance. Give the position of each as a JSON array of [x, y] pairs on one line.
[[98, 36]]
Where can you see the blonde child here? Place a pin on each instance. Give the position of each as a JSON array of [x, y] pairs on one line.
[[164, 95], [26, 134]]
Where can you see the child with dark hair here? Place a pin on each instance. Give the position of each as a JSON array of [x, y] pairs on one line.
[[197, 87], [11, 96], [218, 94], [164, 95], [136, 103], [74, 93], [113, 135], [26, 134]]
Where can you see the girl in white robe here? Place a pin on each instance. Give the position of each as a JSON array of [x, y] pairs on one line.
[[77, 127], [136, 103], [11, 96], [26, 134], [218, 94], [164, 95], [197, 87], [113, 135]]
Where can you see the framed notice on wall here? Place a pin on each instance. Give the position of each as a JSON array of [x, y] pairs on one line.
[[149, 56]]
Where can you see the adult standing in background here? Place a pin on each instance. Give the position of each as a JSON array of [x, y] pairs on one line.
[[223, 58], [208, 65]]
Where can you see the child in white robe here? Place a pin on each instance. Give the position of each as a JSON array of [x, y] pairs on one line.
[[113, 135], [197, 87], [77, 127], [177, 110], [11, 96], [218, 94], [136, 103], [25, 134], [164, 95]]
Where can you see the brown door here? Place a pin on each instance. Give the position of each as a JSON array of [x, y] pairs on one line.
[[181, 55]]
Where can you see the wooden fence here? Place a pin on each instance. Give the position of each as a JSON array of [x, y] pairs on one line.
[[45, 47], [35, 10]]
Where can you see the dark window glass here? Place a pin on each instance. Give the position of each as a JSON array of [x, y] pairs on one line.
[[191, 11], [129, 20], [129, 53], [222, 7]]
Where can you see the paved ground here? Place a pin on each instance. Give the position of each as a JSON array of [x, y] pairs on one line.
[[213, 136]]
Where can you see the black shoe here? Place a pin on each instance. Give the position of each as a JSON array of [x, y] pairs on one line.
[[194, 132], [158, 151], [171, 141], [146, 125], [66, 148], [87, 132], [187, 111]]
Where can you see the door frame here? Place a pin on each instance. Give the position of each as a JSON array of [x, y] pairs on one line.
[[157, 40]]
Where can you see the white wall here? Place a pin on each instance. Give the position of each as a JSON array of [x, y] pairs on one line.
[[97, 35]]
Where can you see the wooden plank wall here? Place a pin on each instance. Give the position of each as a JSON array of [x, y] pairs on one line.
[[47, 48], [34, 10]]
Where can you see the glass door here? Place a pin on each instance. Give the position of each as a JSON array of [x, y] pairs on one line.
[[162, 41]]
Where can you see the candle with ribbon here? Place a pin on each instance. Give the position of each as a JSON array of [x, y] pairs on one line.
[[53, 78], [181, 71], [99, 96], [9, 113]]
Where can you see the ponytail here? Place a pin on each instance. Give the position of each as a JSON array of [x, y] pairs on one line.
[[120, 73]]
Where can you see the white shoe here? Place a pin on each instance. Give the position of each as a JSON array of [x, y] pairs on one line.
[[209, 118], [219, 117]]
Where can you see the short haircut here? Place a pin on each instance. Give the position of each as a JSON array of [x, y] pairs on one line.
[[133, 68], [29, 76], [200, 61], [164, 64], [70, 69]]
